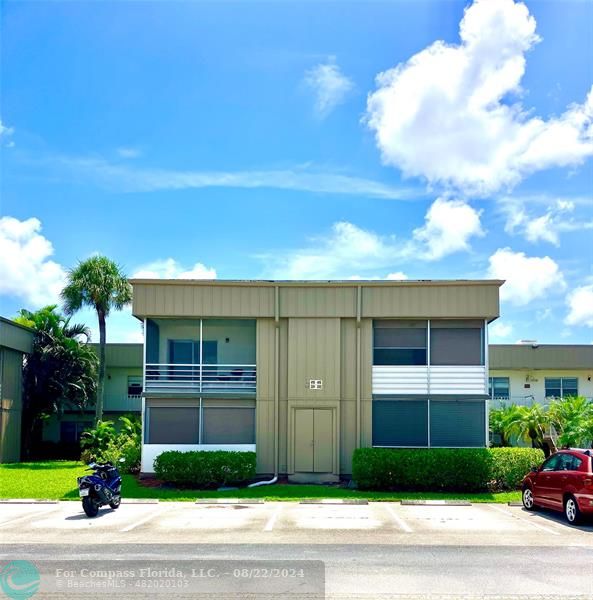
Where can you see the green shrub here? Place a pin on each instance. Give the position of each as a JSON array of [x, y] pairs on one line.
[[95, 440], [442, 469], [204, 468], [510, 465], [437, 469], [105, 444]]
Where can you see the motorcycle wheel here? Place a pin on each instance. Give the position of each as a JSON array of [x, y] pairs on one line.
[[90, 506], [115, 502]]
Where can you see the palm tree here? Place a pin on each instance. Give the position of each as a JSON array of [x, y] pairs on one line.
[[572, 417], [59, 374], [98, 283], [530, 423]]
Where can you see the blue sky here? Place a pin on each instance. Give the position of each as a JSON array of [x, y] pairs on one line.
[[303, 140]]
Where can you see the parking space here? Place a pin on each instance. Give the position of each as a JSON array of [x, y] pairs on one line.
[[283, 522], [330, 516], [196, 517]]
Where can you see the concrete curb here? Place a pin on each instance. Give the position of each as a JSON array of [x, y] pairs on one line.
[[337, 501], [28, 501], [140, 500], [435, 503], [229, 501], [515, 503]]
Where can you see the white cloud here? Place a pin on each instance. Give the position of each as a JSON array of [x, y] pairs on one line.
[[329, 85], [347, 248], [580, 305], [169, 268], [128, 179], [5, 133], [398, 276], [527, 278], [449, 226], [545, 227], [26, 271], [447, 113], [499, 330]]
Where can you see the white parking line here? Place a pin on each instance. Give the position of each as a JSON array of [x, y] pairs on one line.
[[28, 516], [272, 520], [402, 524], [147, 518], [523, 520]]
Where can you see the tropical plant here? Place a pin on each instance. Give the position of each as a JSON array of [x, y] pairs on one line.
[[503, 421], [60, 373], [98, 283], [104, 443], [530, 424], [94, 441], [572, 417]]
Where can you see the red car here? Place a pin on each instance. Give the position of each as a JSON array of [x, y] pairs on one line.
[[564, 482]]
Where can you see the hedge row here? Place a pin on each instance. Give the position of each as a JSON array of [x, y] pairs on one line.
[[442, 469], [204, 468]]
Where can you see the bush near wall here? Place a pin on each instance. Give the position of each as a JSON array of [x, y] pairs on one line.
[[442, 469], [202, 469], [510, 465]]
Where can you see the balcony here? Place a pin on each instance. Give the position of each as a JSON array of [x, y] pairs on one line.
[[200, 356], [122, 403], [436, 357], [423, 380], [200, 379]]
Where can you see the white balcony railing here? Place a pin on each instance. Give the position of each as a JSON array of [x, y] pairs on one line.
[[122, 402], [422, 379], [196, 379]]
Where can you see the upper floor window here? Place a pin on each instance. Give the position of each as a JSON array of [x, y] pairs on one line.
[[408, 342], [499, 388], [457, 342], [399, 342], [561, 387]]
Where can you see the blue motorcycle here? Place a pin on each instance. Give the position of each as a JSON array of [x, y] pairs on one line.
[[101, 488]]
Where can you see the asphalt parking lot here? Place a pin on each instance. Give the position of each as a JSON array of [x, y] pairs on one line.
[[287, 522], [375, 550]]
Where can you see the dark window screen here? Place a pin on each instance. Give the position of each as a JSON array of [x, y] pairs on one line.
[[399, 342], [229, 425], [399, 356], [400, 338], [400, 423], [173, 425], [457, 423], [455, 346]]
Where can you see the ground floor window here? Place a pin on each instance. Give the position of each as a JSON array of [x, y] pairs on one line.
[[70, 431], [216, 422], [561, 387], [173, 425], [499, 388], [400, 423], [424, 422]]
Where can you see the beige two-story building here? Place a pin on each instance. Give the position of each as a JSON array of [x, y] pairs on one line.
[[305, 372]]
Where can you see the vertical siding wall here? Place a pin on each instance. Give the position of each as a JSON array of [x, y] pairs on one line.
[[11, 363]]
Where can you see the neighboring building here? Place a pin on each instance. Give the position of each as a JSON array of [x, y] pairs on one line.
[[529, 373], [305, 372], [15, 341], [123, 395]]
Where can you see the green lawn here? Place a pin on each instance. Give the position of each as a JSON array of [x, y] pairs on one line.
[[56, 480]]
